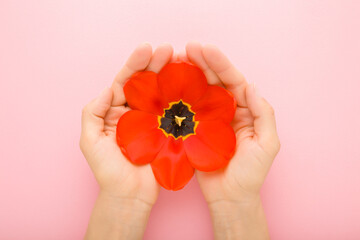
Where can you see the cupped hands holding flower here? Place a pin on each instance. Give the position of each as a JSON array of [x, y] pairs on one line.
[[230, 177], [179, 123]]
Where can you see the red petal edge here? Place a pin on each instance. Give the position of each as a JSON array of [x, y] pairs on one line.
[[216, 104], [171, 167], [182, 81], [142, 93], [212, 147], [138, 136]]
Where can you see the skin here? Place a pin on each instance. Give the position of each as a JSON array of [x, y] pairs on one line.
[[128, 192]]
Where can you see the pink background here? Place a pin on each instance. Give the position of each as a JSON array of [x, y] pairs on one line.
[[55, 56]]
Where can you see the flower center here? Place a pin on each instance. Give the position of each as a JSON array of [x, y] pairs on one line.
[[178, 120]]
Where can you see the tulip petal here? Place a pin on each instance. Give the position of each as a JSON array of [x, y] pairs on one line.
[[138, 136], [216, 104], [171, 167], [142, 93], [182, 81], [212, 146]]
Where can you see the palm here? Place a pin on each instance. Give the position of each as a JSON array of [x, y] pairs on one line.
[[114, 173], [245, 171], [252, 159]]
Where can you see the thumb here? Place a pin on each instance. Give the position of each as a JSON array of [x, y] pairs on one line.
[[93, 114], [264, 120]]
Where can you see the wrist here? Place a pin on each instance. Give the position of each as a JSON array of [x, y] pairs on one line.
[[116, 217], [229, 207], [240, 219], [124, 203], [130, 194]]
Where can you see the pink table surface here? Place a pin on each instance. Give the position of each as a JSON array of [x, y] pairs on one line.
[[55, 56]]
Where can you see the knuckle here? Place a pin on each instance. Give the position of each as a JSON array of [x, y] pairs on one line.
[[277, 146], [81, 144], [271, 147], [271, 110], [85, 110], [103, 107]]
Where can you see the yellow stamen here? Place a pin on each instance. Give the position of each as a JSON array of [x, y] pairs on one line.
[[178, 120]]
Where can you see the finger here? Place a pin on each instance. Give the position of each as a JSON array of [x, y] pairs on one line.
[[264, 120], [161, 56], [232, 79], [137, 61], [92, 121], [194, 54]]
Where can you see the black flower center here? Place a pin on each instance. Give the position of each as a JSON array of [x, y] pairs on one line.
[[178, 120]]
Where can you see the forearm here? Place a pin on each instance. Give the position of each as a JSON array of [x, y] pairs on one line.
[[239, 220], [114, 218]]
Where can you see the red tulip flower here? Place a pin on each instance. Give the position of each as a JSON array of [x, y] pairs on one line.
[[178, 123]]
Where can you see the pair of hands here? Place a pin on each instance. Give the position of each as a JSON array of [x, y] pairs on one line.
[[254, 124]]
